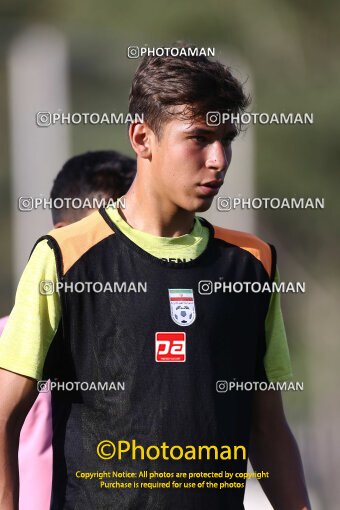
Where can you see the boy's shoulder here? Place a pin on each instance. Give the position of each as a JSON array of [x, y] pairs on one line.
[[91, 224], [77, 238], [263, 251]]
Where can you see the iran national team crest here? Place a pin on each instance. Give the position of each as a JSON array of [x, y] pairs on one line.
[[182, 306]]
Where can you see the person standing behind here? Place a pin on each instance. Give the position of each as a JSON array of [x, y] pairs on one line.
[[92, 176]]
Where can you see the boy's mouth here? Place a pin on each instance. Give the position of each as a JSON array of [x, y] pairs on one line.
[[210, 188]]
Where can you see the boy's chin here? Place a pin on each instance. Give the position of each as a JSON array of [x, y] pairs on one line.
[[197, 205], [203, 205]]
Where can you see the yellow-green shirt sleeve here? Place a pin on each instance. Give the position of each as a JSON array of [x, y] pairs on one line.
[[35, 317], [276, 360]]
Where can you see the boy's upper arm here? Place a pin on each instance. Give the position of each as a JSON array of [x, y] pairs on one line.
[[277, 360], [17, 395], [268, 412], [35, 316]]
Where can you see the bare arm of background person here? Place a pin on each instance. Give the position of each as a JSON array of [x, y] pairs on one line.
[[273, 448], [17, 395]]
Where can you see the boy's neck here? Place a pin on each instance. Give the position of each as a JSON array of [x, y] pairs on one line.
[[154, 216]]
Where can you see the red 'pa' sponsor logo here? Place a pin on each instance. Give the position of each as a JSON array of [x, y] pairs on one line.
[[170, 347]]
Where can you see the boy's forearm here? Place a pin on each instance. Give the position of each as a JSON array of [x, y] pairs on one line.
[[9, 472], [17, 394], [275, 450]]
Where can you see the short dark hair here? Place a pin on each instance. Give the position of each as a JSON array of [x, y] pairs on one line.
[[98, 174], [161, 83]]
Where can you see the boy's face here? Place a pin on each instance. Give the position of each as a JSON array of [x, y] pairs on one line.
[[190, 161]]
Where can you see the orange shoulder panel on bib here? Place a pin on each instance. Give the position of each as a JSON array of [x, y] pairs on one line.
[[76, 239], [248, 242]]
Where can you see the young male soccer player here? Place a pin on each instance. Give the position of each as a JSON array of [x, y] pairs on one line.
[[96, 176], [171, 344]]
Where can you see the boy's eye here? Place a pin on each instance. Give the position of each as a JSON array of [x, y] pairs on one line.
[[202, 140], [199, 139]]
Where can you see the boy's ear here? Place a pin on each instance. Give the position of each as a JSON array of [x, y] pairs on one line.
[[140, 135]]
